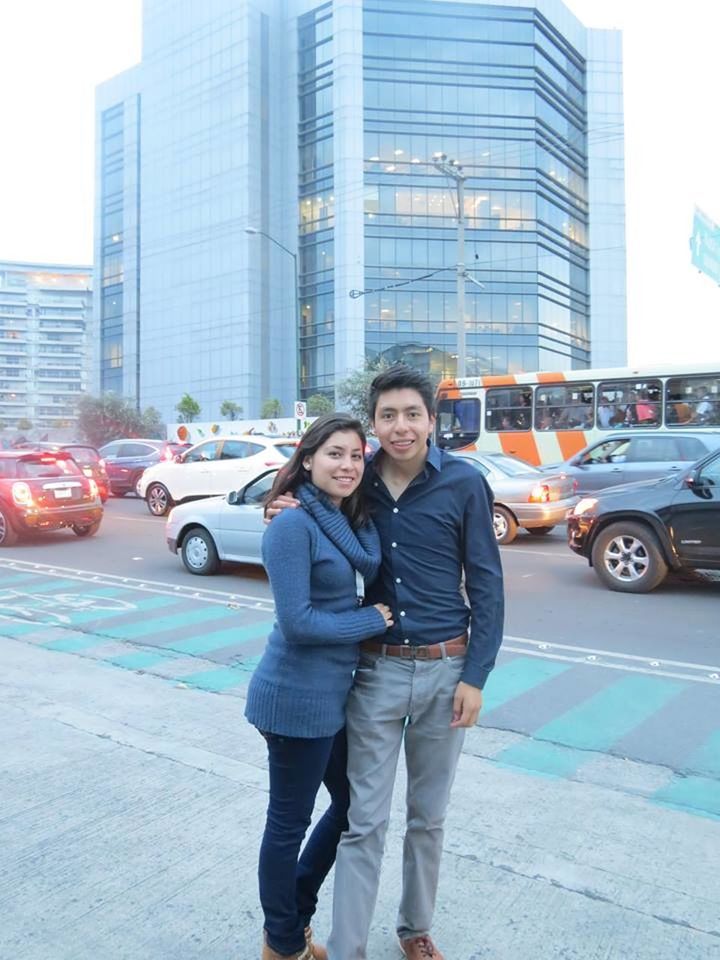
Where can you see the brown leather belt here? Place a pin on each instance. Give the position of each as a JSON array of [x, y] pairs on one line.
[[433, 651]]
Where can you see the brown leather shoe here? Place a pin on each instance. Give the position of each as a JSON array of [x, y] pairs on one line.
[[317, 950], [420, 948], [269, 954]]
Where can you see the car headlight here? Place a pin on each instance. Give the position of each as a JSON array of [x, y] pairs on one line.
[[585, 505]]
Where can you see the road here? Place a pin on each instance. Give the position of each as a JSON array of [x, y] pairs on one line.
[[587, 799]]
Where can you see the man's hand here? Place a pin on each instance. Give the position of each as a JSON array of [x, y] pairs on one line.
[[279, 504], [466, 705]]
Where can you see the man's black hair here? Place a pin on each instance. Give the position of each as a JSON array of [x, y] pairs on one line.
[[402, 377]]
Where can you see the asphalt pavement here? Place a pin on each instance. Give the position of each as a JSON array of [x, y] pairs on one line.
[[585, 817]]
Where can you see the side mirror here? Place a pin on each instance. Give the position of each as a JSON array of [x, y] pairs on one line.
[[233, 497], [698, 484], [178, 458]]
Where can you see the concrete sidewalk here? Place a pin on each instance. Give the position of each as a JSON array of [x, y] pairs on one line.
[[132, 809]]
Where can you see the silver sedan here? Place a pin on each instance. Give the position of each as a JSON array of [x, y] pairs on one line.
[[205, 532], [524, 496]]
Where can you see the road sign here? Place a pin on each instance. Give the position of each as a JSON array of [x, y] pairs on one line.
[[705, 246], [300, 410]]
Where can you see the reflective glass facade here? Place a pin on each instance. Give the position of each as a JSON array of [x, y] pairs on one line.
[[316, 125], [502, 93]]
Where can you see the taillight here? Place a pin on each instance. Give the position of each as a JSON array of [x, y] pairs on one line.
[[22, 494], [540, 494], [93, 489]]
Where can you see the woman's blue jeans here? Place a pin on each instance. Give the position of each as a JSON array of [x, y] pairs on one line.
[[289, 883]]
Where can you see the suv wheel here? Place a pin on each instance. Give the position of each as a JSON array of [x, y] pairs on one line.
[[627, 557], [504, 524], [158, 499], [199, 553], [8, 535]]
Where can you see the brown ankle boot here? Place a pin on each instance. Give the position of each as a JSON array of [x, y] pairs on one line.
[[269, 954], [317, 950]]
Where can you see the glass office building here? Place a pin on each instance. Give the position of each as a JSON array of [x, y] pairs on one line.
[[319, 127]]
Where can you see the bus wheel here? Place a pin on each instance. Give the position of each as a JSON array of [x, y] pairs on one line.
[[505, 525]]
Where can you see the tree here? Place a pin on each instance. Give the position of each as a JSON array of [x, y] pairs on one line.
[[105, 418], [270, 408], [230, 410], [188, 409], [24, 424], [354, 390], [318, 404]]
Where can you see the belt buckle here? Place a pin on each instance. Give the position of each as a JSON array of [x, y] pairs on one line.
[[422, 653]]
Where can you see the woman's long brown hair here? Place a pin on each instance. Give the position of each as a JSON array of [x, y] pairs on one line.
[[292, 474]]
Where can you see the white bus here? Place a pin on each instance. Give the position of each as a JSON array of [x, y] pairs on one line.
[[548, 417]]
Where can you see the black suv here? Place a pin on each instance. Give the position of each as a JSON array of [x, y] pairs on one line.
[[633, 534]]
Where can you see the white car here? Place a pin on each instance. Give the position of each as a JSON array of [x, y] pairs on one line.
[[221, 528], [210, 468]]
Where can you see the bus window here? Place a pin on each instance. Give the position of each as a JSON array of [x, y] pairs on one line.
[[564, 406], [629, 403], [508, 408], [458, 422], [694, 400]]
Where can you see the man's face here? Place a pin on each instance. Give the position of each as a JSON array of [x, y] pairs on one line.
[[402, 425]]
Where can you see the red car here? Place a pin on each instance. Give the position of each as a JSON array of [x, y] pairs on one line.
[[86, 457], [45, 491]]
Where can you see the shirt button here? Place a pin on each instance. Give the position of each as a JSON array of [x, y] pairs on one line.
[[393, 544], [398, 580], [402, 613], [375, 483], [395, 510]]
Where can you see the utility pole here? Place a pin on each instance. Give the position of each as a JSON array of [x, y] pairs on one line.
[[452, 169]]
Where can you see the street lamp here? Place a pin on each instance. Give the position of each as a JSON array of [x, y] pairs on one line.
[[253, 231], [452, 169]]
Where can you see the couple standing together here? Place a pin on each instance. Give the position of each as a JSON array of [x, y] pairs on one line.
[[370, 652]]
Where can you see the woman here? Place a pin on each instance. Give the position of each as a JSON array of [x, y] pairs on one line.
[[317, 558]]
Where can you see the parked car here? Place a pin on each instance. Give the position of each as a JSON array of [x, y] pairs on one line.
[[42, 490], [205, 532], [86, 457], [212, 467], [630, 455], [524, 496], [633, 535], [125, 460]]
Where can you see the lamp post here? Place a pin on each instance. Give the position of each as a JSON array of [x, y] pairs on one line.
[[452, 169], [253, 231]]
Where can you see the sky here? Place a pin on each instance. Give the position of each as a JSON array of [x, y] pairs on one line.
[[55, 53]]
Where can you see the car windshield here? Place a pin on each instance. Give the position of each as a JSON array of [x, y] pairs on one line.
[[511, 466], [84, 455], [48, 467], [286, 449]]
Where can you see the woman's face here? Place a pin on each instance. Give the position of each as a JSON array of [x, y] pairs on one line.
[[337, 466]]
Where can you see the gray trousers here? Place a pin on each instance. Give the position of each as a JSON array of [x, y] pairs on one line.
[[395, 700]]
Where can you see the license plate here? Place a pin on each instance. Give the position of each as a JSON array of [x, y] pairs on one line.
[[63, 494]]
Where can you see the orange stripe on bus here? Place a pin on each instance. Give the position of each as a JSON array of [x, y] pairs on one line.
[[551, 378], [521, 445], [571, 442], [499, 380]]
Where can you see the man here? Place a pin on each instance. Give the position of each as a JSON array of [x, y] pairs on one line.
[[420, 684]]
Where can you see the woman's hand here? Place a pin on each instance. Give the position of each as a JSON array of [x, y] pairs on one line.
[[386, 612]]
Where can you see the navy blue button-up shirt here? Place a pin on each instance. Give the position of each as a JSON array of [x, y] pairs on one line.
[[440, 527]]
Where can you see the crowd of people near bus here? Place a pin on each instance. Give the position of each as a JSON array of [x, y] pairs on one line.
[[565, 407]]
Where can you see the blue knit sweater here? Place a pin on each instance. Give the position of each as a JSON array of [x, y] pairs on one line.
[[300, 686]]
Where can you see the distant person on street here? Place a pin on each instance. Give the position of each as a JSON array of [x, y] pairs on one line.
[[318, 558], [420, 685]]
